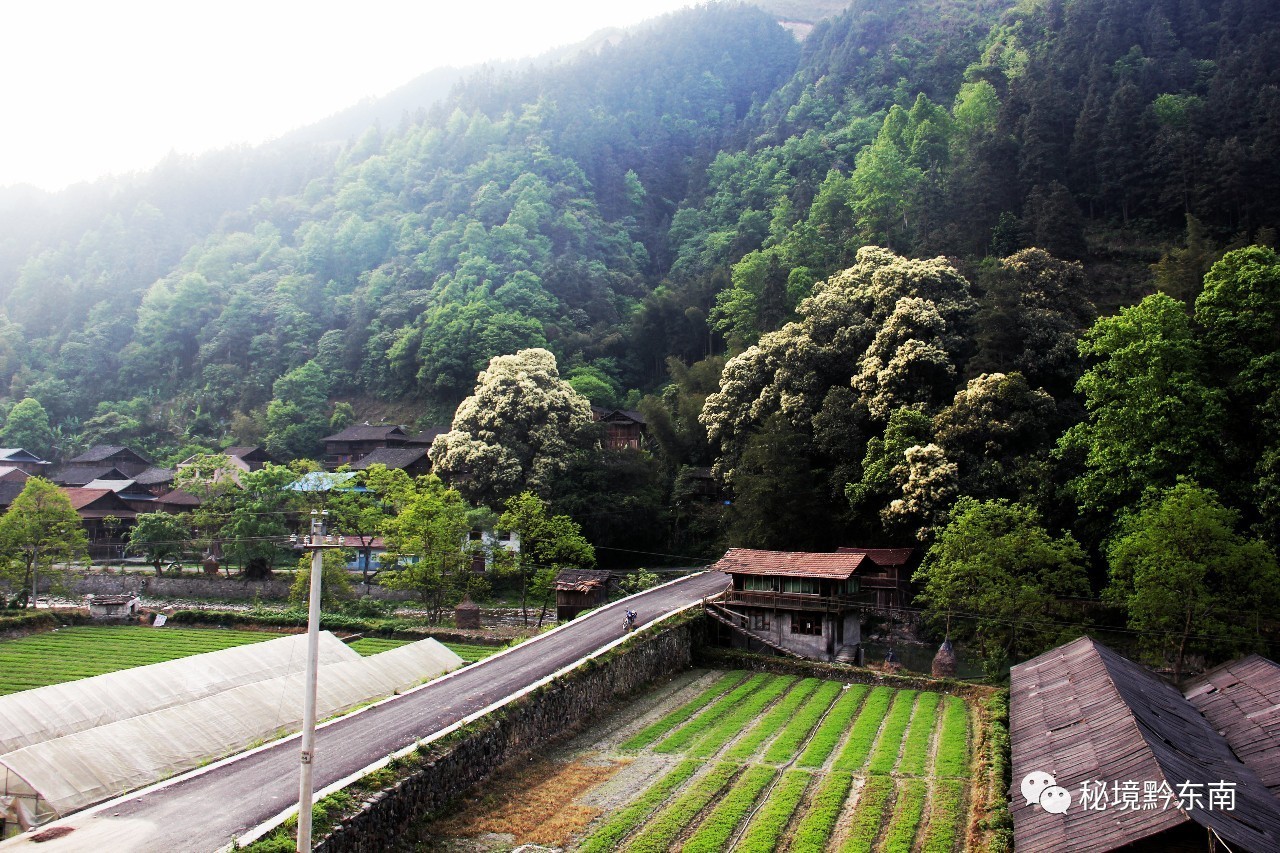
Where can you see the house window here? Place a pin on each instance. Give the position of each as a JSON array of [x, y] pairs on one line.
[[475, 536], [759, 584], [807, 586], [760, 621], [805, 624], [504, 536], [852, 586]]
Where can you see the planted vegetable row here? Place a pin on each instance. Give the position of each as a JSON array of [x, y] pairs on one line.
[[609, 835], [738, 718], [685, 735], [651, 733], [788, 743], [953, 740], [661, 831], [832, 728], [777, 717], [915, 749], [864, 731], [719, 827]]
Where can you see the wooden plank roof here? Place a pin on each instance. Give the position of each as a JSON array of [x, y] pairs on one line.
[[794, 564], [581, 580], [1083, 713], [1241, 699]]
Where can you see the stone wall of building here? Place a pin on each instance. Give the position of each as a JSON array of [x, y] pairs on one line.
[[470, 756]]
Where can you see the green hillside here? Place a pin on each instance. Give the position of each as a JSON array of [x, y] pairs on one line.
[[727, 229]]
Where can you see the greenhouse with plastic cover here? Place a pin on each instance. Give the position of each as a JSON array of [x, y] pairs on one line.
[[68, 746]]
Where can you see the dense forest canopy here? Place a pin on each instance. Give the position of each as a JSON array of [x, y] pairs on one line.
[[1007, 252]]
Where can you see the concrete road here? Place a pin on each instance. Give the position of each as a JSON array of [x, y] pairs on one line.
[[205, 810]]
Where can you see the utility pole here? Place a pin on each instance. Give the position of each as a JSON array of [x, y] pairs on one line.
[[317, 541]]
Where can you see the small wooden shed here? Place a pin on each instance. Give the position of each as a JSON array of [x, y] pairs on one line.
[[114, 606], [580, 589]]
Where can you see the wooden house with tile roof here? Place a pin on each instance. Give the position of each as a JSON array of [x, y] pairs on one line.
[[1096, 722], [887, 574], [250, 458], [118, 456], [106, 518], [580, 589], [13, 474], [623, 428], [807, 603], [414, 461], [356, 442], [24, 460]]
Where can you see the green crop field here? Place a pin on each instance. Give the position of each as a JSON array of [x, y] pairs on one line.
[[80, 652], [774, 762], [71, 653]]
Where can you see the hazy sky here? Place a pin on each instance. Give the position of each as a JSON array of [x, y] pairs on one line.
[[90, 88]]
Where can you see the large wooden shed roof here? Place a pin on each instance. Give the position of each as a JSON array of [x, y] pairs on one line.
[[1080, 713], [1241, 699]]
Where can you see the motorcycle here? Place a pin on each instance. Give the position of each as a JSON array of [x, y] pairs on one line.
[[630, 624]]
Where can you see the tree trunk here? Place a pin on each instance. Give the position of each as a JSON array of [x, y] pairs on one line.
[[524, 609]]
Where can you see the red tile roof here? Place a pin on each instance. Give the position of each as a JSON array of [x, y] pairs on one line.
[[882, 556], [795, 564]]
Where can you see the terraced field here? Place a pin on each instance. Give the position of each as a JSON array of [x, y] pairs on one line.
[[741, 762]]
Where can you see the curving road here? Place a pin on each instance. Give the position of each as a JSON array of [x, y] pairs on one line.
[[205, 810]]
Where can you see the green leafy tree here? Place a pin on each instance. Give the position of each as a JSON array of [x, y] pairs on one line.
[[993, 578], [548, 543], [335, 582], [1152, 416], [1032, 314], [28, 427], [425, 548], [518, 430], [39, 531], [1189, 581], [1180, 271], [296, 414], [160, 536], [1239, 311], [258, 519], [776, 493], [997, 431], [361, 513]]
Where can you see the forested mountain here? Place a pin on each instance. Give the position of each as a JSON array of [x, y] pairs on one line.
[[709, 190]]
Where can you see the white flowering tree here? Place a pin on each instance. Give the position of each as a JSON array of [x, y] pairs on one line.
[[517, 432]]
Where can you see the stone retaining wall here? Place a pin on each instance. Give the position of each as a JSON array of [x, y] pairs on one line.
[[470, 755]]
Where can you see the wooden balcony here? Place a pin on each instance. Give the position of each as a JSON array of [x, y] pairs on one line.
[[797, 600]]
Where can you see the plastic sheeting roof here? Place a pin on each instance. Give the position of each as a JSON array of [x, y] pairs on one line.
[[44, 713], [86, 767]]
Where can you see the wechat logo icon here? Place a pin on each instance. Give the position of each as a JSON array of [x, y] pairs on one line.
[[1040, 788]]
